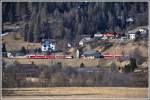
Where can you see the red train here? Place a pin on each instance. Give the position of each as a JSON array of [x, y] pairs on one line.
[[112, 56], [49, 57]]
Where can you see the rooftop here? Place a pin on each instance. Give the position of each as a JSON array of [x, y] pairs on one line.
[[91, 52]]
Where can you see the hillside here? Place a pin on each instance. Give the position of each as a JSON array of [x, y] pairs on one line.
[[65, 21], [128, 48]]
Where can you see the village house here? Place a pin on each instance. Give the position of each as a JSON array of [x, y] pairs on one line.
[[140, 32], [132, 36], [48, 45]]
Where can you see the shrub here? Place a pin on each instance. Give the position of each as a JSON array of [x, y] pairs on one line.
[[127, 68], [130, 67], [137, 55], [59, 64], [133, 63], [59, 79], [39, 50], [23, 50], [4, 47], [56, 67], [98, 66], [82, 65], [70, 71], [114, 67]]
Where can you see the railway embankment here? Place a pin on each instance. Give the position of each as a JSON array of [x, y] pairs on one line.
[[65, 62]]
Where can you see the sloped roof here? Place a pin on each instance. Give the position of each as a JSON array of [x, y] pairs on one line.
[[129, 19], [90, 53]]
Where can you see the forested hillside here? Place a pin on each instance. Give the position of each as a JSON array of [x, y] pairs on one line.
[[67, 21]]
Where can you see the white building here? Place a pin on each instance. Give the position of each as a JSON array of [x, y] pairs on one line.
[[48, 45], [132, 36]]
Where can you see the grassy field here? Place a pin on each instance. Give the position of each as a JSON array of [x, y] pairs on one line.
[[16, 44], [77, 92]]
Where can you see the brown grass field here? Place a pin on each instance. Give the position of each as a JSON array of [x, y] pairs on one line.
[[76, 92], [65, 62], [16, 44]]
